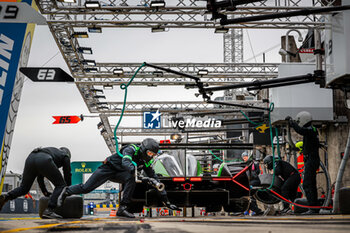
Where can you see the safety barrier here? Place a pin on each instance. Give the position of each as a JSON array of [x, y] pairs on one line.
[[20, 206]]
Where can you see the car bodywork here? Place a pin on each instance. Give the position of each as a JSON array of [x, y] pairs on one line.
[[188, 186]]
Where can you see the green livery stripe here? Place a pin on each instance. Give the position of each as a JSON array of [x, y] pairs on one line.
[[220, 169]]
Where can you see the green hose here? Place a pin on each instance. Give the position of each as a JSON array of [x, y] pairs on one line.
[[124, 87], [271, 138]]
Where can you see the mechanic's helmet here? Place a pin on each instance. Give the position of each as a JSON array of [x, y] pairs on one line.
[[245, 154], [303, 118], [268, 160], [299, 145], [66, 151], [149, 147]]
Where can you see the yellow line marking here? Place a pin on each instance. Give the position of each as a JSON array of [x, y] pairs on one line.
[[29, 218], [39, 227], [66, 223]]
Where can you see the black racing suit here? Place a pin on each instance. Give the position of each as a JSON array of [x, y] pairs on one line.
[[120, 170], [44, 162], [254, 173], [311, 160], [291, 180]]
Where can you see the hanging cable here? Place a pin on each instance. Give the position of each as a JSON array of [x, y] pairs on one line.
[[124, 87]]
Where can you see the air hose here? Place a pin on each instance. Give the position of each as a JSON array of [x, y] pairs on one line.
[[124, 87], [325, 206]]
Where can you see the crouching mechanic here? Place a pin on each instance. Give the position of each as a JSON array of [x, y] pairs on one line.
[[40, 163], [122, 170], [289, 175]]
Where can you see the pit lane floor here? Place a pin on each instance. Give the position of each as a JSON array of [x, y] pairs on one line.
[[216, 224]]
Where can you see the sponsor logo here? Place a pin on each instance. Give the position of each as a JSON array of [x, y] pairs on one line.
[[25, 205], [194, 123], [152, 120], [6, 46], [83, 169]]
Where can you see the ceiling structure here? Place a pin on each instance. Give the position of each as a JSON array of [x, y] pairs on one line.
[[71, 22]]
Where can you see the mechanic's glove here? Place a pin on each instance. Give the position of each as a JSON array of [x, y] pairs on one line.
[[289, 120], [132, 170], [47, 194], [172, 206]]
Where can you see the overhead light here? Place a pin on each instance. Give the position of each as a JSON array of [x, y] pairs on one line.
[[221, 30], [85, 50], [151, 85], [96, 90], [175, 136], [108, 87], [99, 97], [101, 103], [158, 29], [103, 131], [89, 62], [67, 1], [95, 29], [118, 71], [158, 73], [189, 86], [157, 4], [102, 108], [91, 70], [80, 35], [203, 72], [92, 4], [99, 125]]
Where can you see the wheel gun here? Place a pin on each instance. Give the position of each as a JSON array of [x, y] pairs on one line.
[[150, 181]]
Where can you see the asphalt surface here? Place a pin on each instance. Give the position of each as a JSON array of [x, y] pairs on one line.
[[219, 224]]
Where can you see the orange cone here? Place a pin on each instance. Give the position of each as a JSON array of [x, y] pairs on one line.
[[113, 213]]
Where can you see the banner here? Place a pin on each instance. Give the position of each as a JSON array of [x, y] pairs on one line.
[[15, 43]]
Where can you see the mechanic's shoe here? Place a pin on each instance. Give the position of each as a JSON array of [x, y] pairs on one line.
[[259, 212], [62, 197], [50, 214], [285, 210], [122, 212], [310, 212], [3, 199]]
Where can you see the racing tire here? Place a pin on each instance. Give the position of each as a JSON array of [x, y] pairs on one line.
[[213, 208], [266, 180], [237, 205], [72, 207], [344, 201], [266, 197]]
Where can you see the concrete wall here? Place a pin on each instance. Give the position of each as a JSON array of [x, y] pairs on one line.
[[337, 135], [336, 139]]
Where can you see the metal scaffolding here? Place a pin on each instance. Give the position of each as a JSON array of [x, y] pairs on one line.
[[70, 21]]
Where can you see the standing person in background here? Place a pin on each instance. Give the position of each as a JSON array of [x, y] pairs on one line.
[[44, 162], [302, 125], [253, 173]]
